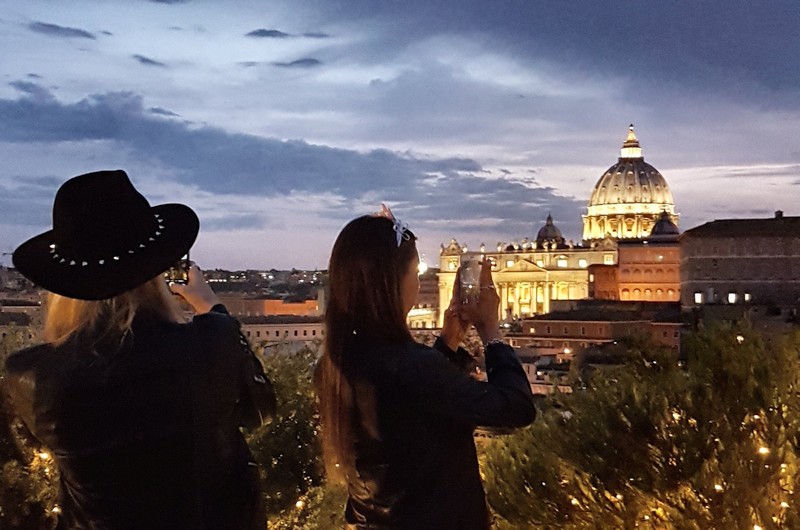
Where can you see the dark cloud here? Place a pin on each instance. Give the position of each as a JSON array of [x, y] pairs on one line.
[[267, 33], [220, 162], [59, 31], [680, 44], [307, 62], [32, 90], [162, 112], [148, 61], [316, 35], [33, 76]]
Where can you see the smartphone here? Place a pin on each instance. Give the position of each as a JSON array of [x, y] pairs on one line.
[[179, 273], [470, 279]]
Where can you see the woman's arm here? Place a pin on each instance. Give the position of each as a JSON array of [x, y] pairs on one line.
[[258, 403], [441, 389]]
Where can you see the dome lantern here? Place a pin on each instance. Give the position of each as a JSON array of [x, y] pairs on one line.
[[631, 148]]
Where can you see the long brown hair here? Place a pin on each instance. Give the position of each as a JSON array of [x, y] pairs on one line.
[[365, 298], [111, 319]]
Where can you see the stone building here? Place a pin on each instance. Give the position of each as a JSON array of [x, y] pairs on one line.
[[629, 198], [628, 201], [647, 269], [736, 261]]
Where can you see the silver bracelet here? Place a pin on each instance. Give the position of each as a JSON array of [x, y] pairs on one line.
[[493, 341]]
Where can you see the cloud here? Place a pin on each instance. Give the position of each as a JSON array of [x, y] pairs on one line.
[[162, 112], [316, 35], [59, 31], [32, 90], [308, 62], [267, 33], [221, 164], [148, 61]]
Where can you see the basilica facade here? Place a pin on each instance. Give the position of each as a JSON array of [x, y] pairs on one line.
[[627, 202]]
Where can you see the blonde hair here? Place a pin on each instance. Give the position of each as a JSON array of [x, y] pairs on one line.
[[111, 318]]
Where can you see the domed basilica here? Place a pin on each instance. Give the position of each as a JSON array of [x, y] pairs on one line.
[[629, 198], [631, 211]]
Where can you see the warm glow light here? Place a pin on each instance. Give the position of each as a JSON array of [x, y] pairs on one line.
[[422, 268], [756, 527], [717, 487], [763, 450], [739, 339], [574, 501], [44, 455], [299, 504], [784, 504]]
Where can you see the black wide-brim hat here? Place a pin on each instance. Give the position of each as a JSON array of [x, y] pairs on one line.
[[106, 239]]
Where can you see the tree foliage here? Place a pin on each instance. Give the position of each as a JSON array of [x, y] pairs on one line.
[[288, 449], [28, 488], [651, 444]]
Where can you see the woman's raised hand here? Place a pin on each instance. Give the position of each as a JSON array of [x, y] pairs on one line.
[[196, 291], [454, 327], [482, 312]]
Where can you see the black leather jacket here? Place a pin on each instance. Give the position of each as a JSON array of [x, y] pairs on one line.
[[146, 435], [415, 460]]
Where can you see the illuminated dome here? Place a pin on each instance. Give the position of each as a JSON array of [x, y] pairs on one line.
[[629, 198], [549, 233]]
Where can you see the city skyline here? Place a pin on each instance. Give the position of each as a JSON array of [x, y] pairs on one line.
[[278, 123]]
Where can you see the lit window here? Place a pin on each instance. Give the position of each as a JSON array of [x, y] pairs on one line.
[[582, 263], [698, 297], [539, 263], [452, 265], [608, 259], [591, 277], [509, 262], [532, 331], [562, 262], [747, 297], [731, 298]]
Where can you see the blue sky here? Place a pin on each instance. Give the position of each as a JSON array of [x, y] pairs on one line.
[[279, 121]]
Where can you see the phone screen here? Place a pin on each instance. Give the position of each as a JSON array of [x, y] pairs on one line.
[[179, 273]]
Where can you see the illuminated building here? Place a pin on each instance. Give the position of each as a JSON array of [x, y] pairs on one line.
[[628, 201], [629, 198], [647, 269]]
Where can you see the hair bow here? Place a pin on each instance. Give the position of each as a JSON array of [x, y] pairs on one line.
[[400, 228]]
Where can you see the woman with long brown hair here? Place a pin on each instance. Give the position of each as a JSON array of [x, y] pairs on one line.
[[397, 416], [139, 407]]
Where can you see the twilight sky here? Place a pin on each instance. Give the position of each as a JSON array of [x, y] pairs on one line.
[[278, 121]]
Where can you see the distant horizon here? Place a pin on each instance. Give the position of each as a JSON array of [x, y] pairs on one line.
[[279, 122]]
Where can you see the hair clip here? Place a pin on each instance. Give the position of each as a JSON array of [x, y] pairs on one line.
[[400, 228]]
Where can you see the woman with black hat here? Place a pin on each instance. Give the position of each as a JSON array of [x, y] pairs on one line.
[[140, 410]]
